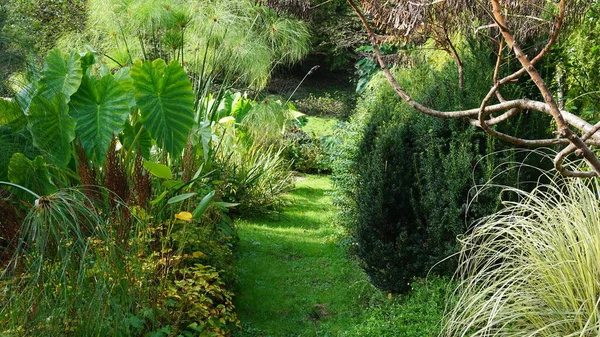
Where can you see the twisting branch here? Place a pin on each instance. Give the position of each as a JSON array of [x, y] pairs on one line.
[[497, 69], [567, 150], [511, 108], [560, 19], [563, 128]]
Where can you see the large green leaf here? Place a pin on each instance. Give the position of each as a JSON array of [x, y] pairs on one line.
[[166, 101], [32, 174], [158, 170], [10, 112], [52, 128], [61, 74], [100, 108], [199, 211]]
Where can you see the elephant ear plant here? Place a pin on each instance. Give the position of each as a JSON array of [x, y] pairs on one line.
[[85, 260], [78, 103]]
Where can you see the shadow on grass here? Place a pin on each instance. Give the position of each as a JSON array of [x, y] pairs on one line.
[[294, 277]]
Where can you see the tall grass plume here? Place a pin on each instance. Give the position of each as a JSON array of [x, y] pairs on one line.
[[532, 269]]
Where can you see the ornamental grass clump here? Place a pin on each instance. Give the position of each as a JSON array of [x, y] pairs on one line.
[[533, 268]]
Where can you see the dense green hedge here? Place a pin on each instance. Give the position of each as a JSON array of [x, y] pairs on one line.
[[404, 181]]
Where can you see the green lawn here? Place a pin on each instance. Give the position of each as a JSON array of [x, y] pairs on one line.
[[320, 126], [295, 278]]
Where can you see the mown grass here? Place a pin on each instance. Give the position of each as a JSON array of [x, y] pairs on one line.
[[319, 126], [296, 279]]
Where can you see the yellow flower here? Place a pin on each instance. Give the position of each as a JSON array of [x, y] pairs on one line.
[[185, 216]]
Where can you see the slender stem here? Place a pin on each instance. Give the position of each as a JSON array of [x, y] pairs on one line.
[[299, 84], [35, 195]]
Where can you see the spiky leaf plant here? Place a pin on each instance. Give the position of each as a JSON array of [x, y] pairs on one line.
[[532, 269]]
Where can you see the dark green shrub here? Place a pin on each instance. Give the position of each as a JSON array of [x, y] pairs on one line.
[[408, 197]]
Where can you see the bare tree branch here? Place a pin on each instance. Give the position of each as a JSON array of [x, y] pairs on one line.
[[511, 108], [563, 154], [563, 128]]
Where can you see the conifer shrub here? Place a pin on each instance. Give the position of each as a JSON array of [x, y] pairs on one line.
[[406, 188]]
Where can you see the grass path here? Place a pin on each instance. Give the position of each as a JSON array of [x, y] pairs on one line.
[[295, 279]]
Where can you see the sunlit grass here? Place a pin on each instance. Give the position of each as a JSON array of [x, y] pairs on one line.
[[296, 278], [320, 126]]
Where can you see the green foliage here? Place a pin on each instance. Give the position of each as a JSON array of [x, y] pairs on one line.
[[61, 74], [336, 33], [164, 95], [11, 143], [229, 39], [66, 266], [308, 154], [576, 58], [255, 177], [336, 104], [409, 197], [101, 108], [530, 269], [52, 128], [41, 23], [201, 302], [367, 66], [32, 174]]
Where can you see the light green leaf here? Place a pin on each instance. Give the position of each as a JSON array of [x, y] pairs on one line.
[[181, 197], [101, 108], [172, 185], [206, 134], [61, 74], [166, 101], [159, 198], [158, 170], [33, 175], [226, 204], [10, 112], [203, 205], [52, 128]]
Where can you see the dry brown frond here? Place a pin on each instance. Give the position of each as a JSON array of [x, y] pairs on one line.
[[115, 177], [87, 175], [142, 185], [187, 164], [298, 8], [418, 19]]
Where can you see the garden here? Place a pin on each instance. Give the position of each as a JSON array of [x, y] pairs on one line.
[[299, 168]]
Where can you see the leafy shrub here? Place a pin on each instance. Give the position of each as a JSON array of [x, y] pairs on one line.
[[408, 198], [254, 177], [198, 301], [531, 268], [307, 154]]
